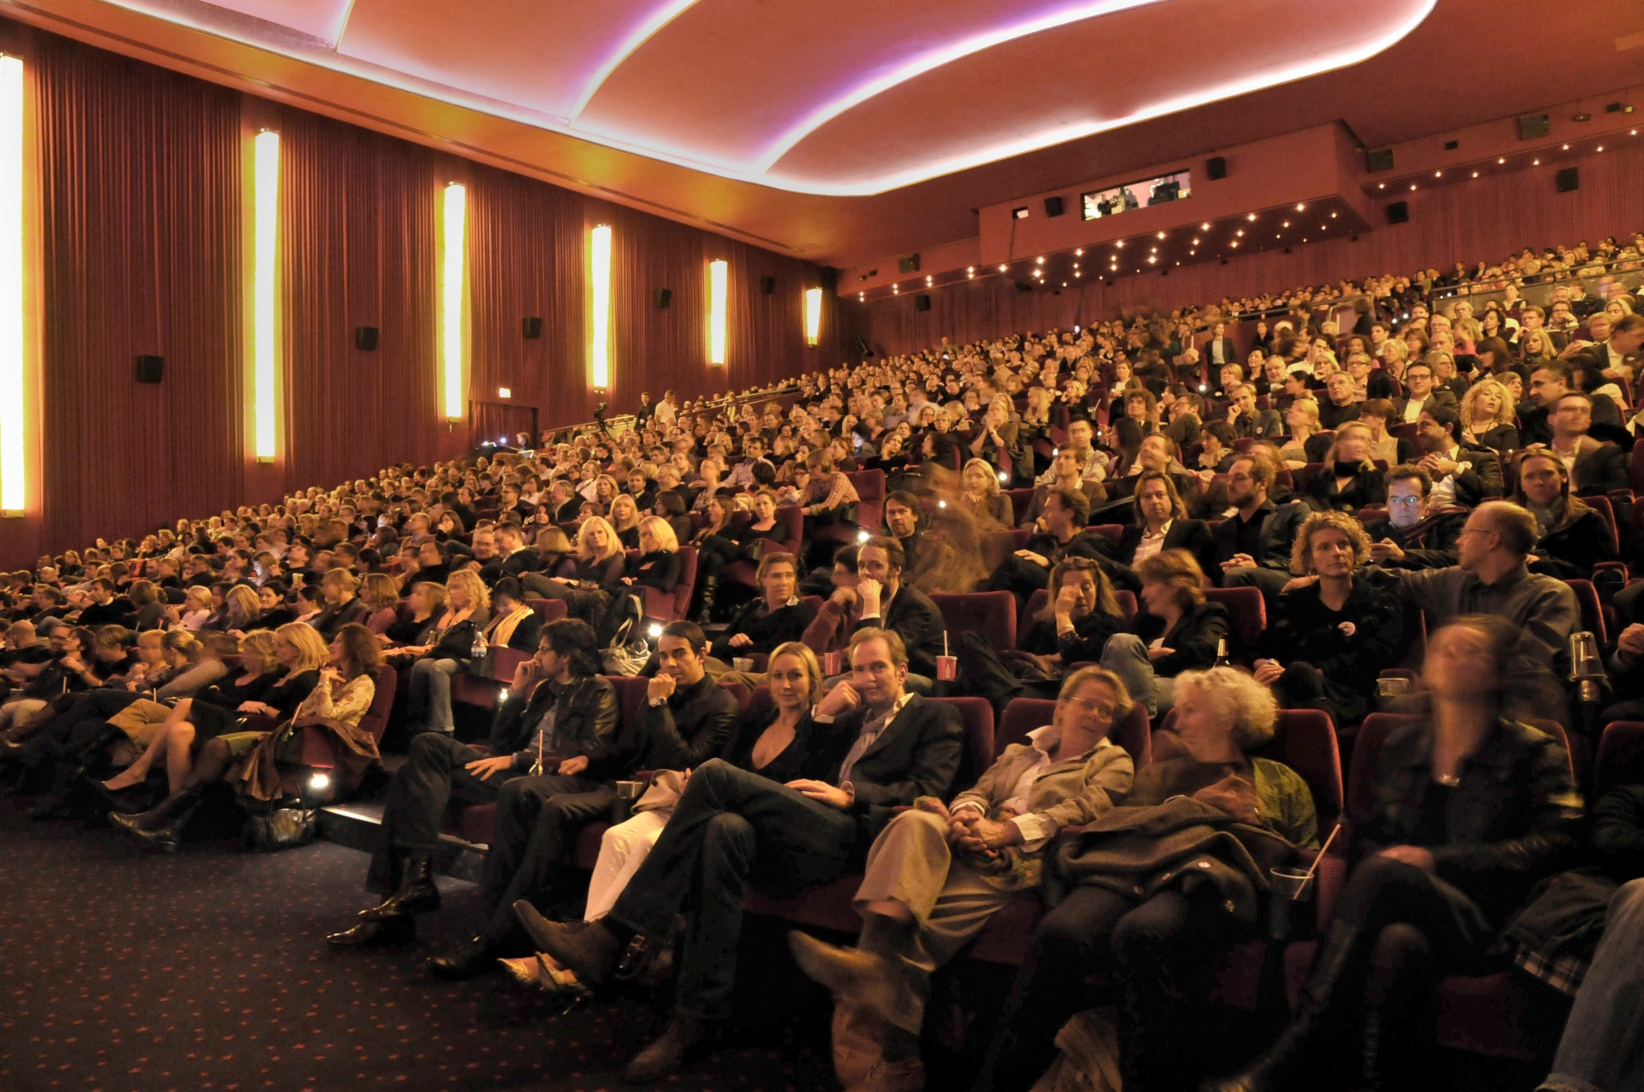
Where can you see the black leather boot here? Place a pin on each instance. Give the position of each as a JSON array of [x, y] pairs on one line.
[[417, 893], [391, 932], [710, 586], [163, 827], [1281, 1063], [478, 957]]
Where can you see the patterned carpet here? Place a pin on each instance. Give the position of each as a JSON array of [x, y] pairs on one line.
[[125, 969]]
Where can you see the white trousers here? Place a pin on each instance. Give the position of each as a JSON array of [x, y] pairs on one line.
[[622, 850]]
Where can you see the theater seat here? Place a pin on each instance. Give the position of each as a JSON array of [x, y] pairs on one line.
[[661, 606], [1620, 758], [1248, 613], [1592, 611], [977, 715], [991, 614], [549, 610], [1023, 715], [786, 537], [318, 749], [870, 493]]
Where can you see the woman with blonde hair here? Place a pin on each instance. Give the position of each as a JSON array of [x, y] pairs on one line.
[[600, 566], [1349, 480], [381, 597], [1305, 444], [982, 498], [659, 564], [1157, 944], [447, 648], [1488, 417], [342, 605], [624, 517], [196, 608]]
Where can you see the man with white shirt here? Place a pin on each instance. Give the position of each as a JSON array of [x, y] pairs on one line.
[[1419, 393], [666, 411], [1462, 474]]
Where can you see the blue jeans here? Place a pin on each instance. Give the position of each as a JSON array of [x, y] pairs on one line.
[[1603, 1045]]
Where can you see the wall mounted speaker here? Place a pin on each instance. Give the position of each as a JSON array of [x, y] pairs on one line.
[[829, 279], [1378, 159], [365, 338], [1053, 206], [531, 327], [663, 297], [1215, 168], [1532, 127], [910, 264], [862, 346], [1567, 179], [1022, 286], [1398, 212], [921, 302], [767, 285], [150, 369]]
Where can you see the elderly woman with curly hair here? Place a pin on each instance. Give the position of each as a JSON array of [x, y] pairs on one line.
[[1327, 642], [1127, 910]]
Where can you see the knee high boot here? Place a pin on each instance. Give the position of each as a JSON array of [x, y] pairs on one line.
[[163, 825], [416, 894], [710, 586], [1320, 1004]]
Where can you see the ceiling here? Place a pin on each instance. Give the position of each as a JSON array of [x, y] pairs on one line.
[[857, 129]]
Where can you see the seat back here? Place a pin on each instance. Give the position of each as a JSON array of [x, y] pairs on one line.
[[1620, 757], [1020, 501], [1603, 507], [1023, 715], [740, 692], [1113, 532], [991, 614], [1304, 740], [977, 715], [1592, 611], [375, 720], [1249, 617], [870, 494], [549, 610], [661, 606], [630, 694]]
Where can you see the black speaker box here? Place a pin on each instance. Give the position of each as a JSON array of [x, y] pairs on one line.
[[1568, 179], [531, 327], [862, 346], [1053, 206], [1023, 286], [365, 338], [664, 296], [767, 285], [910, 264], [921, 302], [1398, 212], [1378, 159], [150, 369], [1215, 168], [1533, 127]]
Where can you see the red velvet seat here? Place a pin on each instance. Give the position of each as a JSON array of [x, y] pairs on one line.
[[549, 610], [786, 537], [1620, 758], [1248, 613], [991, 614], [1036, 602], [318, 751], [1592, 611], [661, 606], [1023, 715], [996, 546], [1113, 532], [870, 493]]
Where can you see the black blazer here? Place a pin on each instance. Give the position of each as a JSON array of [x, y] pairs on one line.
[[915, 618], [1596, 471], [917, 754], [682, 733], [1580, 541], [1366, 488], [1192, 535], [1194, 638], [1279, 524]]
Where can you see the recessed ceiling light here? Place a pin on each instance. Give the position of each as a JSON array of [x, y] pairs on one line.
[[1475, 174], [1501, 160], [1566, 147], [1206, 227], [1535, 162], [1161, 235], [1002, 269], [1195, 242], [1438, 174], [1601, 147], [1041, 261], [1235, 242], [1120, 244], [1080, 252], [1412, 185], [1301, 208], [1285, 224], [1250, 216], [1332, 216], [1381, 186], [1239, 232]]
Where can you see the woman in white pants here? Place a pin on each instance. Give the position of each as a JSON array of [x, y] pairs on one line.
[[768, 741]]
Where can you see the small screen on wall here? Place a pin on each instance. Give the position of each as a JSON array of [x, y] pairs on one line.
[[1136, 195]]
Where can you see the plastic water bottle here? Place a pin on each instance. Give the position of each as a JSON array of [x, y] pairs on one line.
[[479, 648]]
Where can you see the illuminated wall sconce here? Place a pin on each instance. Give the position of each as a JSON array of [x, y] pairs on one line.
[[813, 316], [13, 271], [453, 288], [599, 302], [505, 392], [265, 201], [719, 282]]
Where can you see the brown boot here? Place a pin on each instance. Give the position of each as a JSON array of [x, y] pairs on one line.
[[685, 1038], [858, 1042], [862, 978], [587, 948]]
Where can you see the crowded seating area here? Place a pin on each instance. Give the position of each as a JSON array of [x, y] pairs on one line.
[[1280, 657]]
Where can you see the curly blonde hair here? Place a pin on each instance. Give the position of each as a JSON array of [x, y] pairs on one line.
[[1301, 552], [1254, 709], [1504, 407]]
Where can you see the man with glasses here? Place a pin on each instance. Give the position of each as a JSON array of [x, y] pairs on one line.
[[885, 748], [560, 713], [1419, 393], [1410, 536]]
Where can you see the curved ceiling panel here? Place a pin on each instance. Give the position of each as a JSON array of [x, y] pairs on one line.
[[848, 98], [1076, 80]]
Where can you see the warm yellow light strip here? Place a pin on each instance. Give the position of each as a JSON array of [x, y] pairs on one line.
[[813, 316], [265, 196], [719, 279], [451, 296], [599, 299], [13, 472]]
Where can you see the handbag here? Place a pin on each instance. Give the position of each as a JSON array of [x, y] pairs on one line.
[[282, 828]]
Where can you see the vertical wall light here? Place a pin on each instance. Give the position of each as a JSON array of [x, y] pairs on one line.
[[265, 199], [813, 316], [719, 282], [599, 300], [452, 289], [13, 473]]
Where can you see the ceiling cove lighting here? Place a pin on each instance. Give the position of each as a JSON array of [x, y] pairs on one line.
[[813, 316], [640, 35], [13, 476], [265, 202], [599, 303], [452, 290], [719, 283]]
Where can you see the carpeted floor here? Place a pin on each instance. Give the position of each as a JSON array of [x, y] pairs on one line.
[[126, 969]]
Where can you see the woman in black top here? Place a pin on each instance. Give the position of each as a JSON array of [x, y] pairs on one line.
[[600, 567], [1470, 809], [1349, 480], [659, 562], [1178, 630], [427, 605], [1326, 644], [342, 606]]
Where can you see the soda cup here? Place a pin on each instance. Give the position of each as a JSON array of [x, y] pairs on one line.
[[947, 668], [833, 663]]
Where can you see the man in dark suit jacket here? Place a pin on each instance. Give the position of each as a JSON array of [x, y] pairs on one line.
[[1550, 382], [1250, 422], [1253, 545], [1411, 536], [1462, 473], [1599, 466], [561, 710], [1219, 350], [1420, 393], [881, 748], [888, 603], [513, 558]]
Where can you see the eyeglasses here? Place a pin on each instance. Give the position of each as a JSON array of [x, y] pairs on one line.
[[1091, 705]]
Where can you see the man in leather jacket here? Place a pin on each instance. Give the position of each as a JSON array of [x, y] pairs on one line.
[[570, 711]]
